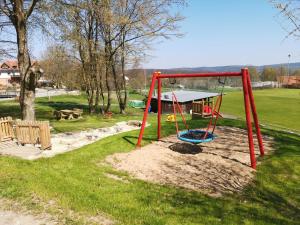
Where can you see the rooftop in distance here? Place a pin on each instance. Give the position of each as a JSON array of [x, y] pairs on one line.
[[186, 96]]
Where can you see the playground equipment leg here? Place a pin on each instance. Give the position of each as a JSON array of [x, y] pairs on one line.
[[146, 110], [255, 118], [248, 118], [158, 108]]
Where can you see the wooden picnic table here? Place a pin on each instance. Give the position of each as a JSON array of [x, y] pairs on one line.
[[68, 114]]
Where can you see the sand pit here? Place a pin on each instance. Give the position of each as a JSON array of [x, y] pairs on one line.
[[214, 168]]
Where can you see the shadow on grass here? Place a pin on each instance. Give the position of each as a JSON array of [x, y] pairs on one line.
[[133, 139], [10, 109], [56, 105]]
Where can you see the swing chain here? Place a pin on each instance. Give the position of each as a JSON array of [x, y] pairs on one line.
[[223, 84], [172, 81]]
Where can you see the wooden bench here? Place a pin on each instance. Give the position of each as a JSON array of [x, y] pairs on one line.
[[33, 132], [6, 129]]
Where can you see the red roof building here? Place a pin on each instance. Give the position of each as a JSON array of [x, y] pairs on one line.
[[290, 81]]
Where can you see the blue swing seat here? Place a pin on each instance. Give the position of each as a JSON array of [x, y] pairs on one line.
[[199, 133]]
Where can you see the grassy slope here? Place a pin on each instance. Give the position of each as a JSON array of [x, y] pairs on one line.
[[280, 107], [76, 181]]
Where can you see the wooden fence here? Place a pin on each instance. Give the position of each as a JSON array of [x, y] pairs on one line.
[[34, 132], [6, 129]]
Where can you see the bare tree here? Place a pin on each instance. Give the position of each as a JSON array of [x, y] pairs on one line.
[[7, 46], [60, 68], [289, 16], [77, 25], [128, 28], [109, 35], [17, 13]]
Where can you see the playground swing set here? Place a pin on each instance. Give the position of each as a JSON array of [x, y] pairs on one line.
[[197, 136]]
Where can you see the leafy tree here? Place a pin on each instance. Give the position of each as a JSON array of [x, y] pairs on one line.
[[254, 75], [296, 72], [269, 74]]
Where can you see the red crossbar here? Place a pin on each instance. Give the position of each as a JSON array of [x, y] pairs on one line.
[[189, 75]]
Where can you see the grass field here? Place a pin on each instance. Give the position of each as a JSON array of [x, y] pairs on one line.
[[76, 180], [279, 107], [45, 109]]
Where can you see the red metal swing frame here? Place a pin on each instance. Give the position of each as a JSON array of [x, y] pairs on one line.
[[248, 103]]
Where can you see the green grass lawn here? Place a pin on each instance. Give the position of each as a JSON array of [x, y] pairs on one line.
[[45, 109], [278, 107], [76, 180]]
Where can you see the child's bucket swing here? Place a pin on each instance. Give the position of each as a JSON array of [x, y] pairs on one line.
[[197, 136]]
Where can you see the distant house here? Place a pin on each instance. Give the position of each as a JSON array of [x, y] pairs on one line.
[[185, 99], [9, 72], [290, 81]]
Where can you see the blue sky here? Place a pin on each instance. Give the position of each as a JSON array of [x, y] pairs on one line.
[[220, 32], [226, 32]]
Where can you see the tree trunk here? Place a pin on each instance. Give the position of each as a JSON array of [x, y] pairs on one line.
[[107, 72], [109, 97], [123, 102], [28, 78]]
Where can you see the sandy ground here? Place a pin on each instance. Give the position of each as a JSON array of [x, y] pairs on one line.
[[64, 142], [221, 166]]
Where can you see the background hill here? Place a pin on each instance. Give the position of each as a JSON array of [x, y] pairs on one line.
[[230, 68]]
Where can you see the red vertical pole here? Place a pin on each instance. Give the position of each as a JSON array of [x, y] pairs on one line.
[[255, 118], [248, 118], [146, 110], [158, 108]]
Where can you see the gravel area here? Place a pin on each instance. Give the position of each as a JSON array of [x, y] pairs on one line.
[[64, 142]]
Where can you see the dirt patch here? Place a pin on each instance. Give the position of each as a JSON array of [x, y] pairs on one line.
[[116, 177], [214, 168], [15, 213]]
